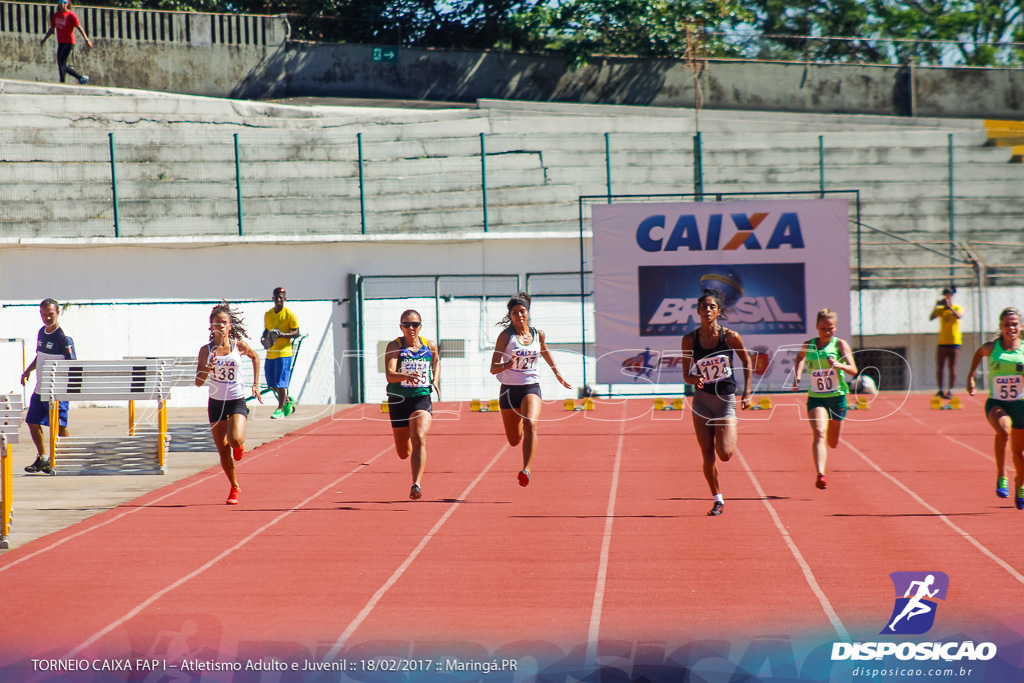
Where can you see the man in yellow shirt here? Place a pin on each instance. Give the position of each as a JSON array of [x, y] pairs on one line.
[[949, 315], [282, 326]]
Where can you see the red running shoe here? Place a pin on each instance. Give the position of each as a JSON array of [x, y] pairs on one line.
[[524, 478], [820, 483], [238, 452], [233, 496]]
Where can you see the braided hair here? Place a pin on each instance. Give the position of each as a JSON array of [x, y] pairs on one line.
[[234, 315]]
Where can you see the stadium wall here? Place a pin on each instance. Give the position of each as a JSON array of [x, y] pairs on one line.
[[251, 57], [142, 297]]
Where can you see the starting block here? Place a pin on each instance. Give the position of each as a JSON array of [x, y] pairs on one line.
[[384, 408], [570, 405], [764, 404], [860, 404], [478, 406], [662, 404], [954, 403], [588, 403]]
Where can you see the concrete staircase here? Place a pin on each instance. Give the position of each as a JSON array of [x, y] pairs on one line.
[[299, 170]]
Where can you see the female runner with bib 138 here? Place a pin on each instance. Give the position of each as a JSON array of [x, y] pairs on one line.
[[1004, 408], [827, 358], [220, 366], [514, 361]]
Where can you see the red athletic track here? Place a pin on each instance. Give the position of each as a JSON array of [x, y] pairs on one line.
[[325, 553]]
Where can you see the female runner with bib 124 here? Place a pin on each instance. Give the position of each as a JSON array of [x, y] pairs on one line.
[[412, 367], [514, 361], [707, 364], [827, 358], [220, 366], [1004, 408]]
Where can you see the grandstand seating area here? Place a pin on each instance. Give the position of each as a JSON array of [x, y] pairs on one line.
[[302, 170]]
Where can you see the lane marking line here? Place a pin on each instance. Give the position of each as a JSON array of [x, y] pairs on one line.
[[966, 536], [191, 575], [606, 542], [274, 446], [397, 574], [826, 606]]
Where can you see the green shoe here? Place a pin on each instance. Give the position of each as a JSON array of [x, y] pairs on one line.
[[289, 407], [1002, 487], [276, 414]]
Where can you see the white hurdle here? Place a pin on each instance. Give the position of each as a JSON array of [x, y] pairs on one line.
[[10, 420], [112, 380]]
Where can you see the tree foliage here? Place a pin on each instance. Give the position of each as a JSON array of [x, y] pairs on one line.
[[971, 32]]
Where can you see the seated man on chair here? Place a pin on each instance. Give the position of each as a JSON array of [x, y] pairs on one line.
[[281, 328]]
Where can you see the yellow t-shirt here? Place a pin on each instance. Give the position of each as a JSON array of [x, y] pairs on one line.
[[285, 321], [949, 325]]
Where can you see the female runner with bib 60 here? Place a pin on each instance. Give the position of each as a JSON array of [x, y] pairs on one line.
[[220, 366], [827, 358], [412, 367], [514, 361], [1004, 408], [707, 364]]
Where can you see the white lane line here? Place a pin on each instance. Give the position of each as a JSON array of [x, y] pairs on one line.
[[365, 612], [826, 606], [122, 515], [191, 575], [274, 446], [606, 542], [966, 536], [983, 454]]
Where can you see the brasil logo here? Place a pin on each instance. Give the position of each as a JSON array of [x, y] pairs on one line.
[[916, 596]]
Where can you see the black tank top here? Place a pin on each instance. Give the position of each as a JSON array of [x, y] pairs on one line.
[[717, 370]]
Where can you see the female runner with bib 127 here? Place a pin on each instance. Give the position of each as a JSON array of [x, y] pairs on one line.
[[412, 366], [707, 364], [827, 358], [514, 361], [1004, 408], [220, 366]]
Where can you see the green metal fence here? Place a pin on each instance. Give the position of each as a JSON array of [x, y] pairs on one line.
[[921, 185]]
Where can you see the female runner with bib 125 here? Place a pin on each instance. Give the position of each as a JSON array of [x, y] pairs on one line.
[[1004, 408], [514, 361], [827, 358], [412, 367], [220, 366], [707, 364]]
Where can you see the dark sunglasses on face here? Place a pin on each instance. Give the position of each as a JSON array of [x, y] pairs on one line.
[[412, 325]]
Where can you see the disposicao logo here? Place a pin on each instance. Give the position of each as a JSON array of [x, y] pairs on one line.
[[916, 601], [916, 604]]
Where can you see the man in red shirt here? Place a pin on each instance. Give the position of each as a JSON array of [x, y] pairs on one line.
[[64, 22]]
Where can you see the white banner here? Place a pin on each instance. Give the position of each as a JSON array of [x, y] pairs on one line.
[[777, 262]]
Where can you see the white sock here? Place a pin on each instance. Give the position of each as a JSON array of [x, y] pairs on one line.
[[719, 498]]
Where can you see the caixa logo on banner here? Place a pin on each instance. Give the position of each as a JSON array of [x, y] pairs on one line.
[[652, 233], [760, 298]]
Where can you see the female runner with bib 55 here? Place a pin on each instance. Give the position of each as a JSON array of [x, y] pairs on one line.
[[1004, 408], [412, 366]]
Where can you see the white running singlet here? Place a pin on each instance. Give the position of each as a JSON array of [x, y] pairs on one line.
[[225, 380]]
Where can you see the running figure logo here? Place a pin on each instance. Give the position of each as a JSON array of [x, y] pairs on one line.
[[916, 594]]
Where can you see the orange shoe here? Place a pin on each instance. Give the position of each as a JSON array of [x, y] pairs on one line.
[[820, 482], [233, 496], [238, 452]]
